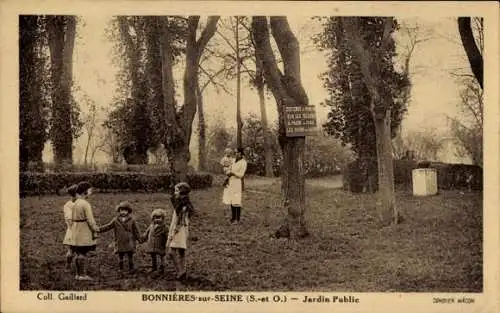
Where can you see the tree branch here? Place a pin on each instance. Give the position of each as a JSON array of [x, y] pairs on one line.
[[289, 48], [211, 79], [471, 49], [364, 58], [208, 32], [265, 53]]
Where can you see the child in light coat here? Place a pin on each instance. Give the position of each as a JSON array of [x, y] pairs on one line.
[[68, 213], [178, 233]]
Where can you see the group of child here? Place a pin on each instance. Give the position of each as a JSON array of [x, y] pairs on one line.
[[157, 237]]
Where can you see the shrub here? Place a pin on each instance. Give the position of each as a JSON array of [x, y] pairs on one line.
[[403, 172], [457, 176], [139, 168], [449, 176], [112, 167], [49, 183], [361, 175]]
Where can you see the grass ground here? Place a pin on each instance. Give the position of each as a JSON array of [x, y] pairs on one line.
[[438, 248]]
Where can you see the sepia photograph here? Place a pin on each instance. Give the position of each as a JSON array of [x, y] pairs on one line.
[[324, 156]]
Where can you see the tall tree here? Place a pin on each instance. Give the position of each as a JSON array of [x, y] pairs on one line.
[[287, 89], [133, 34], [139, 114], [467, 129], [260, 85], [376, 65], [350, 118], [32, 121], [239, 123], [243, 54], [472, 50], [179, 122], [61, 38]]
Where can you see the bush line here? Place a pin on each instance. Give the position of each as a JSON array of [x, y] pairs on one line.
[[33, 183], [449, 176]]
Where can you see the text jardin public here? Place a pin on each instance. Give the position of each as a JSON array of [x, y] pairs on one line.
[[242, 298]]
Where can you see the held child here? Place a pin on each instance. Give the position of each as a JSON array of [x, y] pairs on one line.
[[126, 234], [226, 163], [156, 238], [68, 215], [178, 232]]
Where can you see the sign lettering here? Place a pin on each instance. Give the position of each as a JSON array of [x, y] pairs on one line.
[[300, 121]]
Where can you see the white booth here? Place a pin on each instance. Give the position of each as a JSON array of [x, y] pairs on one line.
[[424, 182]]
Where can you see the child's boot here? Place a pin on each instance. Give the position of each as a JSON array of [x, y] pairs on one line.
[[153, 263], [69, 259]]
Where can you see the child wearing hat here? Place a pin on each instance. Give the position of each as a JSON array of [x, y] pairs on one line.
[[126, 234], [179, 228], [155, 237]]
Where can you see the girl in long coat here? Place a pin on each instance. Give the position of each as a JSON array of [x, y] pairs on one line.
[[233, 193], [126, 234], [83, 229]]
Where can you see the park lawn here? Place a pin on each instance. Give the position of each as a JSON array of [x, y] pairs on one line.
[[438, 247]]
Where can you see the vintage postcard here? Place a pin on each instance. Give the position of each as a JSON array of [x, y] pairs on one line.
[[240, 156]]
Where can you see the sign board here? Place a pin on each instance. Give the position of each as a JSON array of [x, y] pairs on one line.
[[300, 121]]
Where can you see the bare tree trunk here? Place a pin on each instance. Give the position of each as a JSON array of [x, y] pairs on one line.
[[89, 138], [371, 74], [180, 125], [288, 91], [202, 147], [170, 133], [61, 31], [387, 201], [239, 123], [268, 152]]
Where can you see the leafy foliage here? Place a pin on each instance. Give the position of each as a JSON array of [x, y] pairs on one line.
[[350, 117], [137, 118], [65, 122], [37, 115], [33, 100], [468, 129], [324, 155]]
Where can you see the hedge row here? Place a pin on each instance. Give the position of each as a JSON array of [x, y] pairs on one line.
[[111, 167], [456, 176], [312, 169], [359, 174], [31, 183]]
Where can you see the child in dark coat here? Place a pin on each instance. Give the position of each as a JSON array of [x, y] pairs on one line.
[[155, 237], [126, 234]]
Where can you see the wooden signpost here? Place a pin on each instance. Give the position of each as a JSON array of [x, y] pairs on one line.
[[300, 121]]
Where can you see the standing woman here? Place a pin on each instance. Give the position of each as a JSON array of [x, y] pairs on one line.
[[83, 229], [233, 193]]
